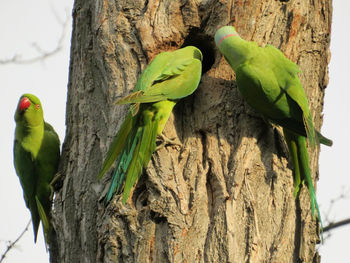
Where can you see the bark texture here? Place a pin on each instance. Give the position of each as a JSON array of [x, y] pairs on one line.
[[227, 194]]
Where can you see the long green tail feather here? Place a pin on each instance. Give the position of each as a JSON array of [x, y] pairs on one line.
[[299, 154], [293, 151], [117, 145], [142, 154], [35, 217], [123, 163], [44, 219], [303, 157], [137, 152], [134, 171], [324, 140], [304, 163]]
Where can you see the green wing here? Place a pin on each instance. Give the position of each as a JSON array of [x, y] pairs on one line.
[[285, 105], [47, 163], [280, 61], [260, 88], [25, 169], [286, 73], [172, 87], [169, 77]]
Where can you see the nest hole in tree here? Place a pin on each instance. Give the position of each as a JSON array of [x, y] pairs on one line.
[[205, 43]]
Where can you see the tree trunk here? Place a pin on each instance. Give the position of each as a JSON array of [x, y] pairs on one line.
[[226, 195]]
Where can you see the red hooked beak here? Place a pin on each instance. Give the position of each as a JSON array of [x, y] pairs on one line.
[[24, 104]]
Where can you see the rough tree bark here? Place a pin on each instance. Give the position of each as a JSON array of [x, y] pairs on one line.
[[227, 194]]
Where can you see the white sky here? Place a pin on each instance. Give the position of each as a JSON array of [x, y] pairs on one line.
[[24, 22]]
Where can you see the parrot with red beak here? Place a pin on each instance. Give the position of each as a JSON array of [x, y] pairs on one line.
[[36, 157]]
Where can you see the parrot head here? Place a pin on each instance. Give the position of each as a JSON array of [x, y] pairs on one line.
[[223, 33], [29, 110]]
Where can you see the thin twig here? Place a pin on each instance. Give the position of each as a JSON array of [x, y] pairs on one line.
[[344, 194], [43, 54], [12, 244], [336, 224]]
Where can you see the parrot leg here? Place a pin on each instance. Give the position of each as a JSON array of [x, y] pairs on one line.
[[164, 141], [57, 182]]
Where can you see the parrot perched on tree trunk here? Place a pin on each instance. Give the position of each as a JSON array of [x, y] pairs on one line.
[[168, 78], [36, 157], [269, 83]]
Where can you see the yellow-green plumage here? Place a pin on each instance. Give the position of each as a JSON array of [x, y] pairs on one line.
[[36, 158], [168, 78], [269, 82]]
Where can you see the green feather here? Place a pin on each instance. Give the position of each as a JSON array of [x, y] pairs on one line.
[[323, 140], [36, 158], [168, 78], [302, 173], [269, 83], [123, 163], [143, 152], [44, 218], [117, 145]]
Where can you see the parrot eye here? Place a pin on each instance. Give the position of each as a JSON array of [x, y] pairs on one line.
[[37, 106]]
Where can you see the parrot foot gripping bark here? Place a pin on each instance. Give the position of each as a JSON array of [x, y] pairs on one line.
[[164, 141]]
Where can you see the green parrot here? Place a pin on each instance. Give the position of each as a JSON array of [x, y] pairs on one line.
[[36, 156], [169, 77], [269, 83]]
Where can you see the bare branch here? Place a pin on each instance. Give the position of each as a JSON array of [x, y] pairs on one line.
[[54, 12], [336, 224], [13, 243], [344, 194], [43, 54]]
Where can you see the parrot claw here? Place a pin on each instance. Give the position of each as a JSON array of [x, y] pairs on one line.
[[57, 182], [164, 141]]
